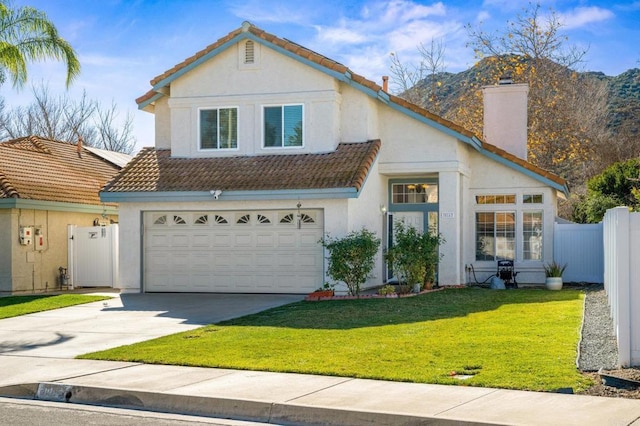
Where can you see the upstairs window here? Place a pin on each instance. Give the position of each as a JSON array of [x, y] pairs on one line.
[[219, 128], [283, 126]]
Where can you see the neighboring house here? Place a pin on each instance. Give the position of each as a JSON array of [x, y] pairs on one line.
[[263, 146], [46, 185]]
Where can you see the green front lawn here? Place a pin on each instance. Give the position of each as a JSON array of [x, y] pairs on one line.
[[517, 339], [13, 306]]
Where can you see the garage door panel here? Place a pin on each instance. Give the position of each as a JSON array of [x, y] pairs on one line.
[[221, 239], [265, 239], [309, 239], [243, 239], [180, 240], [201, 240], [242, 251], [286, 239]]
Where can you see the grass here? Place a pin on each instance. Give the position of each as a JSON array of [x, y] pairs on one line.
[[13, 306], [521, 339]]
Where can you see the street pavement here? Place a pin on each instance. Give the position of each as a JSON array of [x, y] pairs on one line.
[[37, 350]]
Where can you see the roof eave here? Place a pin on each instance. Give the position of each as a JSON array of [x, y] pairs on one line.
[[253, 195]]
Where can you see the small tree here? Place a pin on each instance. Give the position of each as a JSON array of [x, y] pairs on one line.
[[351, 258], [414, 255]]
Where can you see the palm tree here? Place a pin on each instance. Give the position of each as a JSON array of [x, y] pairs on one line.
[[26, 34]]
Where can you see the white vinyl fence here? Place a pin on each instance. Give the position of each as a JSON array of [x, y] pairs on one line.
[[580, 247], [622, 280]]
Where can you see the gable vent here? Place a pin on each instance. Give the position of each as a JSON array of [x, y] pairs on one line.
[[249, 52]]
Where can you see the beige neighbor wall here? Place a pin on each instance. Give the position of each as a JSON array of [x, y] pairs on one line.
[[5, 250], [34, 271]]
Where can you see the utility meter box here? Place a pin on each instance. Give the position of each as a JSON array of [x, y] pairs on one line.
[[39, 239], [26, 235]]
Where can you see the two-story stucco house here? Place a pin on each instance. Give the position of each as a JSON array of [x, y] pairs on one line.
[[263, 146]]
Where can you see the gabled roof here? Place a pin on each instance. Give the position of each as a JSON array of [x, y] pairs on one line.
[[34, 168], [154, 170], [162, 82]]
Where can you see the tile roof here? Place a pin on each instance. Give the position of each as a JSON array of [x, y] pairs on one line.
[[46, 170], [155, 170], [340, 69]]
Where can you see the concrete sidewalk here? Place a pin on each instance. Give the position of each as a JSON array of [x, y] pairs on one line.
[[37, 350], [299, 399]]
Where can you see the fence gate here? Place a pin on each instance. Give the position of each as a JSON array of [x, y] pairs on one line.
[[580, 246], [93, 256]]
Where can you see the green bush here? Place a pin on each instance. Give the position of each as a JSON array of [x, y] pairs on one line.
[[352, 258], [414, 256]]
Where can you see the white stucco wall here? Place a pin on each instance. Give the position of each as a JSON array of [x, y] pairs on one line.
[[490, 177], [276, 80]]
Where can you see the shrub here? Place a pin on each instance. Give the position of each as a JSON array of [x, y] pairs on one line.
[[351, 258], [414, 256]]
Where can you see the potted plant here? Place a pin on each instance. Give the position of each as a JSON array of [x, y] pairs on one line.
[[327, 290], [553, 271]]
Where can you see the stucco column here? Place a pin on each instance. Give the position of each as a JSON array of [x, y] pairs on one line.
[[129, 249], [450, 204]]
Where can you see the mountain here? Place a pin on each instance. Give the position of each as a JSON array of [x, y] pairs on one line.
[[623, 101]]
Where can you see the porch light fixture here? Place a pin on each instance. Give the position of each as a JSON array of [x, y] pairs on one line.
[[383, 209], [299, 215]]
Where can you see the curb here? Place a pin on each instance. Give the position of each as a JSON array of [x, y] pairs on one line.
[[248, 410]]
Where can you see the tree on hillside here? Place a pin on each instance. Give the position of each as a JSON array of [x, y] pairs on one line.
[[419, 83], [617, 185], [64, 119], [566, 112], [27, 35]]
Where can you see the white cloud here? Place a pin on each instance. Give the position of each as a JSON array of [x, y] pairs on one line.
[[364, 41], [582, 16]]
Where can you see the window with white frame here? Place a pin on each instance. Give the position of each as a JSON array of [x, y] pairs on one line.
[[219, 128], [495, 235], [532, 235], [283, 126]]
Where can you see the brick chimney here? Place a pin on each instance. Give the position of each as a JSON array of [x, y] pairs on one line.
[[505, 116]]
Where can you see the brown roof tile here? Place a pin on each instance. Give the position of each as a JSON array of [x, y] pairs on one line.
[[341, 69], [41, 169], [155, 170]]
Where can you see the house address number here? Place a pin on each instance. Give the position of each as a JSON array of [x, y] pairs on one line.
[[447, 215]]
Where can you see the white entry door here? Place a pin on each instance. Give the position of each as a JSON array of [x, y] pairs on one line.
[[248, 251], [415, 219], [93, 255]]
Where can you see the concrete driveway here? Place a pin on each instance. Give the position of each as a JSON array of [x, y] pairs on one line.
[[125, 319]]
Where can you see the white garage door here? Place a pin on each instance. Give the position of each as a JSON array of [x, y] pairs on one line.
[[270, 251]]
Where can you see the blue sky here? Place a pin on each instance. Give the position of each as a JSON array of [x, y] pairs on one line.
[[124, 44]]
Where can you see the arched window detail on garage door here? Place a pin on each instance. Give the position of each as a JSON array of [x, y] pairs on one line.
[[244, 219], [305, 218], [287, 218], [220, 220], [178, 220], [202, 220], [162, 220], [263, 219]]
